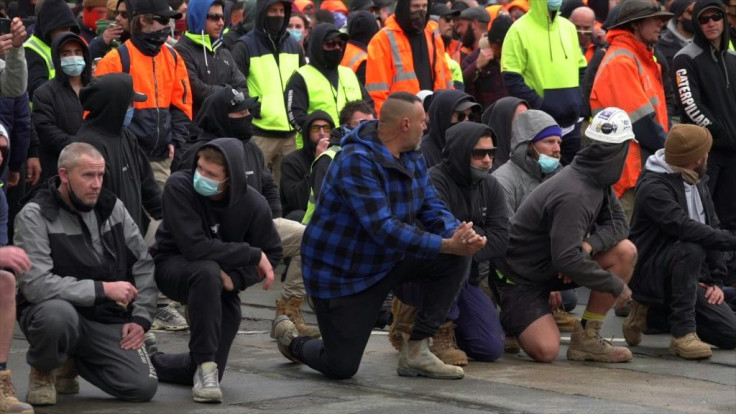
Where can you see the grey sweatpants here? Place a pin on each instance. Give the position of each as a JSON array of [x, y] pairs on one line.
[[55, 332]]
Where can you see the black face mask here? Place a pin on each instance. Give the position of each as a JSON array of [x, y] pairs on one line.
[[150, 43], [418, 20], [78, 204], [274, 25], [332, 58], [241, 128], [688, 26]]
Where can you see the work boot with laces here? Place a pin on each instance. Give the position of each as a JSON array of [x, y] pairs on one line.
[[284, 332], [9, 403], [400, 327], [66, 378], [415, 360], [565, 322], [635, 323], [41, 389], [206, 384], [444, 346], [293, 309], [586, 344], [690, 347]]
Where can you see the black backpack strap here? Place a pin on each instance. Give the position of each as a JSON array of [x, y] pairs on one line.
[[173, 53], [124, 57]]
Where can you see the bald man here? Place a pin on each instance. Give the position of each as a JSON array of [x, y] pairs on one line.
[[379, 223], [584, 20]]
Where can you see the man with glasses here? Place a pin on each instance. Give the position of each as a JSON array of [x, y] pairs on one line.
[[209, 65], [447, 109], [584, 20], [679, 31], [322, 84], [703, 73], [161, 123]]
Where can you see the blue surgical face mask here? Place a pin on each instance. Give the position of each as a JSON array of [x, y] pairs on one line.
[[296, 34], [547, 164], [73, 65], [205, 186], [554, 5], [128, 116]]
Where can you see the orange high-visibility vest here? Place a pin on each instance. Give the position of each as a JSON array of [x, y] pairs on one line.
[[354, 56]]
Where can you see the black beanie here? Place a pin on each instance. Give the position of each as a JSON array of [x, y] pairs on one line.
[[679, 6], [499, 28]]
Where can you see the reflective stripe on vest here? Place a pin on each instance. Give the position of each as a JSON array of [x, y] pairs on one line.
[[354, 57], [312, 203], [37, 45], [323, 96], [401, 74], [267, 80]]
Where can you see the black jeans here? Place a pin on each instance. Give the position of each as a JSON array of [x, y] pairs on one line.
[[346, 322], [214, 316], [721, 182]]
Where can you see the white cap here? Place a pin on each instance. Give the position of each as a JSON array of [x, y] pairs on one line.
[[610, 126]]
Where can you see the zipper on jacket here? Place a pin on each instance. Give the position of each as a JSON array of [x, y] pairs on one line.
[[158, 110]]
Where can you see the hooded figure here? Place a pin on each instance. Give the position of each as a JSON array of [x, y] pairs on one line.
[[57, 112], [500, 117], [522, 174], [241, 29], [440, 113], [128, 173], [51, 17], [213, 122], [413, 24], [209, 66], [362, 26]]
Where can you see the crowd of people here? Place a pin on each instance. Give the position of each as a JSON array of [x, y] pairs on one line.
[[451, 169]]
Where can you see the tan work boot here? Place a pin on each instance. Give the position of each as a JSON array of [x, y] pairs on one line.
[[293, 309], [415, 359], [400, 328], [690, 347], [41, 390], [8, 401], [284, 331], [635, 323], [587, 345], [565, 322], [444, 346], [66, 378]]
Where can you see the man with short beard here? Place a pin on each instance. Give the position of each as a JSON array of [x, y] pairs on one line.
[[479, 19], [422, 64]]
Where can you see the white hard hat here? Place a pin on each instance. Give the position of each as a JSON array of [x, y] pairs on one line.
[[610, 126]]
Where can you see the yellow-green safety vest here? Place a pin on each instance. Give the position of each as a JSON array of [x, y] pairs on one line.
[[42, 49], [312, 203]]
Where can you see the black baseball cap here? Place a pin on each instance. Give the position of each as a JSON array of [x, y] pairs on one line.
[[157, 7], [240, 101], [441, 10]]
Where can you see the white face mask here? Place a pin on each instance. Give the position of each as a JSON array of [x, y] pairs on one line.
[[554, 5]]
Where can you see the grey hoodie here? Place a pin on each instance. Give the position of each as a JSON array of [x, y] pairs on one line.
[[521, 175], [695, 210]]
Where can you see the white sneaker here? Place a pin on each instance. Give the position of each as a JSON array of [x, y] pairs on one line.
[[169, 319], [206, 384]]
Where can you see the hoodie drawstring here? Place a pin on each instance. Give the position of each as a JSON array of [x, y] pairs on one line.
[[204, 52]]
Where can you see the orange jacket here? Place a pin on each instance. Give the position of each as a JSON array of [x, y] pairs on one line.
[[629, 78], [353, 57], [165, 116], [390, 67]]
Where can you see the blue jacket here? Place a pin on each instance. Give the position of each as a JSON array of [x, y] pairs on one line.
[[372, 212]]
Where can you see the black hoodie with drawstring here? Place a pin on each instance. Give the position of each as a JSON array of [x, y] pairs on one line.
[[480, 201], [440, 113], [500, 117], [705, 81], [577, 204], [128, 173]]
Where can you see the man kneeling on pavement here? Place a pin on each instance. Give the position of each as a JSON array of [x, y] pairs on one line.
[[571, 230], [677, 283], [87, 300]]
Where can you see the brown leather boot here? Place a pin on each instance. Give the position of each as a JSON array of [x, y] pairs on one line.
[[66, 378], [9, 402], [403, 321], [444, 346], [635, 323], [690, 347], [565, 322], [586, 344], [293, 309]]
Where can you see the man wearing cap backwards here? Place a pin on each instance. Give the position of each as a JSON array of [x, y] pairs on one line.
[[703, 73], [542, 63], [570, 231], [322, 84], [87, 299], [631, 79], [678, 278], [161, 123]]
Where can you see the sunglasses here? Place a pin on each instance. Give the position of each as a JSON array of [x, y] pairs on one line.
[[317, 128], [716, 17], [479, 154], [122, 14], [216, 17], [161, 19], [333, 44], [462, 116]]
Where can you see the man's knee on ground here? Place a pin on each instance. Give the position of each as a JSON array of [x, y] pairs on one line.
[[7, 288], [342, 369], [541, 339], [541, 351]]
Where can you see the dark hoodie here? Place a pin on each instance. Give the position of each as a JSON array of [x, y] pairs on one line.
[[57, 112], [53, 14], [297, 93], [233, 232], [500, 117], [361, 28], [241, 29], [296, 180], [418, 41], [440, 112], [213, 122], [481, 202], [577, 204], [128, 173], [706, 82]]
